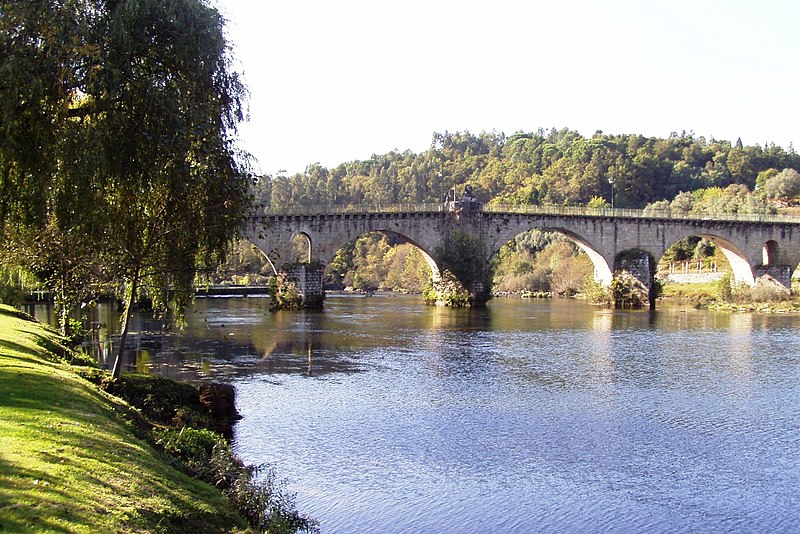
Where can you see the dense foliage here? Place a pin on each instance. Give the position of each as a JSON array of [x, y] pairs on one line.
[[117, 159], [555, 167]]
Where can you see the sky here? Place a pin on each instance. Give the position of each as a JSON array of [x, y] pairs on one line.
[[336, 81]]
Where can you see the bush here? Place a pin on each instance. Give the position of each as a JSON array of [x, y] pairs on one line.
[[448, 291], [766, 289], [74, 357], [569, 274], [628, 291], [596, 293], [258, 495], [253, 491], [536, 280], [725, 289], [161, 401], [285, 294], [204, 453], [191, 446]]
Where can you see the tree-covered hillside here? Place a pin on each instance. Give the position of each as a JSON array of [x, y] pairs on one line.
[[555, 167]]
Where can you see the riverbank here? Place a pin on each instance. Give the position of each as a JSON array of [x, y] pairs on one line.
[[70, 460], [707, 295]]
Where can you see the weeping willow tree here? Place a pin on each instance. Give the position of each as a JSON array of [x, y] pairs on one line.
[[117, 123]]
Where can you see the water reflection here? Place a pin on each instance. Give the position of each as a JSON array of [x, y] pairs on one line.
[[535, 343], [601, 349], [740, 345], [526, 416]]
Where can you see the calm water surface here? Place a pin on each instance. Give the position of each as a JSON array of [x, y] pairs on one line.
[[388, 416]]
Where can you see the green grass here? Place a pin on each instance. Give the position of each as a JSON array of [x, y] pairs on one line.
[[71, 462], [706, 295], [700, 292]]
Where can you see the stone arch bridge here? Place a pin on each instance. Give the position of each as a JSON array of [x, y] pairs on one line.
[[614, 239]]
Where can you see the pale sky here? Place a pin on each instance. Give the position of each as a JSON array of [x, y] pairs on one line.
[[335, 81]]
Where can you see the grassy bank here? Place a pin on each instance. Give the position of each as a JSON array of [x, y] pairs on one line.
[[703, 292], [70, 462], [712, 295]]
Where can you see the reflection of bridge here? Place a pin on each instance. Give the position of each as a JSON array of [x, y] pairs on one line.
[[614, 239]]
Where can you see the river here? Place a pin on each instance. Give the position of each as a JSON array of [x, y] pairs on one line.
[[385, 415]]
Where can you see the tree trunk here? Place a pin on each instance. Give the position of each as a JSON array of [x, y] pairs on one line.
[[64, 317], [61, 298], [124, 323]]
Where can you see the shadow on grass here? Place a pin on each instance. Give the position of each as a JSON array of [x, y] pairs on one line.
[[32, 501], [21, 352]]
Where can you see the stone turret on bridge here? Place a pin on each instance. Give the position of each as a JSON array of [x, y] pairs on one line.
[[614, 239]]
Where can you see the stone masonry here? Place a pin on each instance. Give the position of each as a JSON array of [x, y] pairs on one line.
[[752, 248]]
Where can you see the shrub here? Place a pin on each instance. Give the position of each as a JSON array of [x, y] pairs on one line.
[[258, 495], [536, 280], [82, 359], [191, 446], [448, 291], [160, 400], [596, 293], [569, 274], [628, 291], [285, 293], [205, 454], [725, 289], [767, 289], [253, 491]]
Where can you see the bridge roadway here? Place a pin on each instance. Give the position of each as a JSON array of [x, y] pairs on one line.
[[754, 245]]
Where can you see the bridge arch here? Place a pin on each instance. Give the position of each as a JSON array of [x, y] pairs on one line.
[[602, 270], [436, 272], [332, 246], [741, 269], [268, 255], [269, 260], [276, 255], [297, 240], [770, 253]]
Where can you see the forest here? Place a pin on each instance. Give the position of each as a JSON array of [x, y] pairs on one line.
[[557, 167], [682, 173]]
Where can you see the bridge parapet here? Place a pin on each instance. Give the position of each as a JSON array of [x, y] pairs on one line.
[[537, 209]]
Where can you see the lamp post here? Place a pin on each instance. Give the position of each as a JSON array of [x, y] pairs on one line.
[[611, 183]]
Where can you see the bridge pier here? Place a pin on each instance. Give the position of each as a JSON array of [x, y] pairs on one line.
[[480, 294], [308, 281], [449, 290], [642, 267], [781, 273], [462, 260]]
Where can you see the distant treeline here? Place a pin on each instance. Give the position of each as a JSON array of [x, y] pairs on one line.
[[555, 167]]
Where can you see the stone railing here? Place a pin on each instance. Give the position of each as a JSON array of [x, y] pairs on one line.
[[326, 209], [637, 214], [579, 211]]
